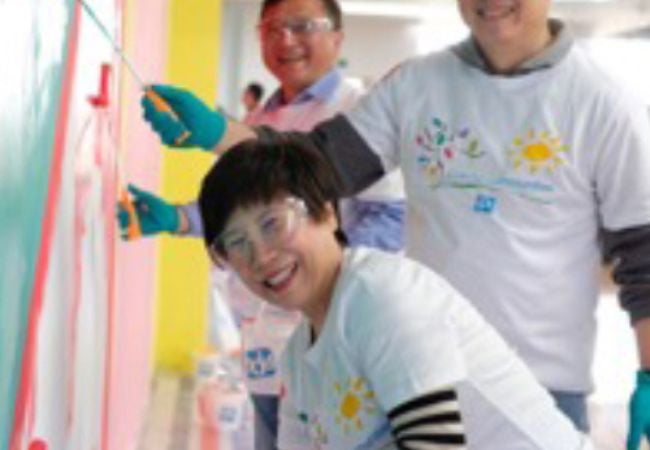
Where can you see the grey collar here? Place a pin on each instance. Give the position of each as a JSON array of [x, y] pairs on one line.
[[469, 52]]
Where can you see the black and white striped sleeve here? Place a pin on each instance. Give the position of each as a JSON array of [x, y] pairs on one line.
[[430, 421]]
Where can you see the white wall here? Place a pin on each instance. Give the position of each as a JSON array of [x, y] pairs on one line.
[[240, 57], [373, 45], [621, 58]]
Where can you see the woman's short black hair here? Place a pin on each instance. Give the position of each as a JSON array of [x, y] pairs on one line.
[[255, 172], [332, 9]]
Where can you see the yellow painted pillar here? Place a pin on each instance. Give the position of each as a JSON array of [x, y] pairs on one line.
[[192, 61]]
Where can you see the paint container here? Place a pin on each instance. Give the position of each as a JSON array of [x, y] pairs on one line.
[[225, 413]]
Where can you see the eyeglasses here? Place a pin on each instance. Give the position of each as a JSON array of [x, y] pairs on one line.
[[273, 30], [274, 227]]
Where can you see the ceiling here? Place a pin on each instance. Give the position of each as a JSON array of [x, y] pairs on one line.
[[587, 18]]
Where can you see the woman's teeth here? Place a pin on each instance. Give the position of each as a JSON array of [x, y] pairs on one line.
[[279, 278]]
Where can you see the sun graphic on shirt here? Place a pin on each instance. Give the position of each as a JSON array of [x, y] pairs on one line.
[[535, 152], [354, 399]]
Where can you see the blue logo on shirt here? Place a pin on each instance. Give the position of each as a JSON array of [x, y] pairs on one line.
[[485, 204], [228, 414], [260, 363]]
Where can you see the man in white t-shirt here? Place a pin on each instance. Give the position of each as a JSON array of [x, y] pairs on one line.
[[300, 42], [388, 355], [518, 152]]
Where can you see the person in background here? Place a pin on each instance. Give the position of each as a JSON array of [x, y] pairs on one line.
[[300, 44], [517, 151], [354, 380], [251, 97]]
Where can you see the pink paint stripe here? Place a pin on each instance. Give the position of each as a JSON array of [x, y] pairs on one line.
[[110, 200], [26, 386], [111, 190]]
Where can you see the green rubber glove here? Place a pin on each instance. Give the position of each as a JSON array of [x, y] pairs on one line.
[[154, 213], [206, 126], [639, 411]]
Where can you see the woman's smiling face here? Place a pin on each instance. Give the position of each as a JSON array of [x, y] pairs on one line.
[[283, 254]]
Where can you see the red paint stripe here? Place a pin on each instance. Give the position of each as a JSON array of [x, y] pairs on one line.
[[26, 386]]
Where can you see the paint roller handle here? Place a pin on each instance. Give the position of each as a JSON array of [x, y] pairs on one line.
[[131, 226], [162, 106], [151, 214], [181, 119]]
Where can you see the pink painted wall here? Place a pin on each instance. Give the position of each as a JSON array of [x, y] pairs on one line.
[[144, 32]]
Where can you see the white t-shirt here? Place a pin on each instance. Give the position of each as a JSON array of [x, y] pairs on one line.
[[396, 331], [508, 181]]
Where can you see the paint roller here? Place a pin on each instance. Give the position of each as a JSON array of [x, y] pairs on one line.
[[159, 103], [133, 230]]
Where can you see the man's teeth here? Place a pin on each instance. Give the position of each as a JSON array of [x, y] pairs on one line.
[[291, 59], [496, 12], [279, 278]]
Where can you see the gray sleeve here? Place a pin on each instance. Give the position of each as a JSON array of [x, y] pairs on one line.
[[191, 211], [354, 161], [629, 251]]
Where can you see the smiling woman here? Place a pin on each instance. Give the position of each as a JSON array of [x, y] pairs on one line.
[[271, 222], [387, 355]]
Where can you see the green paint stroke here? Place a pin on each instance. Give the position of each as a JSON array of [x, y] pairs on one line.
[[30, 90]]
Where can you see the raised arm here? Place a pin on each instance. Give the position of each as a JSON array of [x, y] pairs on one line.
[[210, 130]]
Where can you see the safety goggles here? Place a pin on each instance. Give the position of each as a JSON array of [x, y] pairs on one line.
[[274, 30], [273, 227]]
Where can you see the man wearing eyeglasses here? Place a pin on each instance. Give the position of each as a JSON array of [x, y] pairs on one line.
[[300, 44], [300, 41]]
